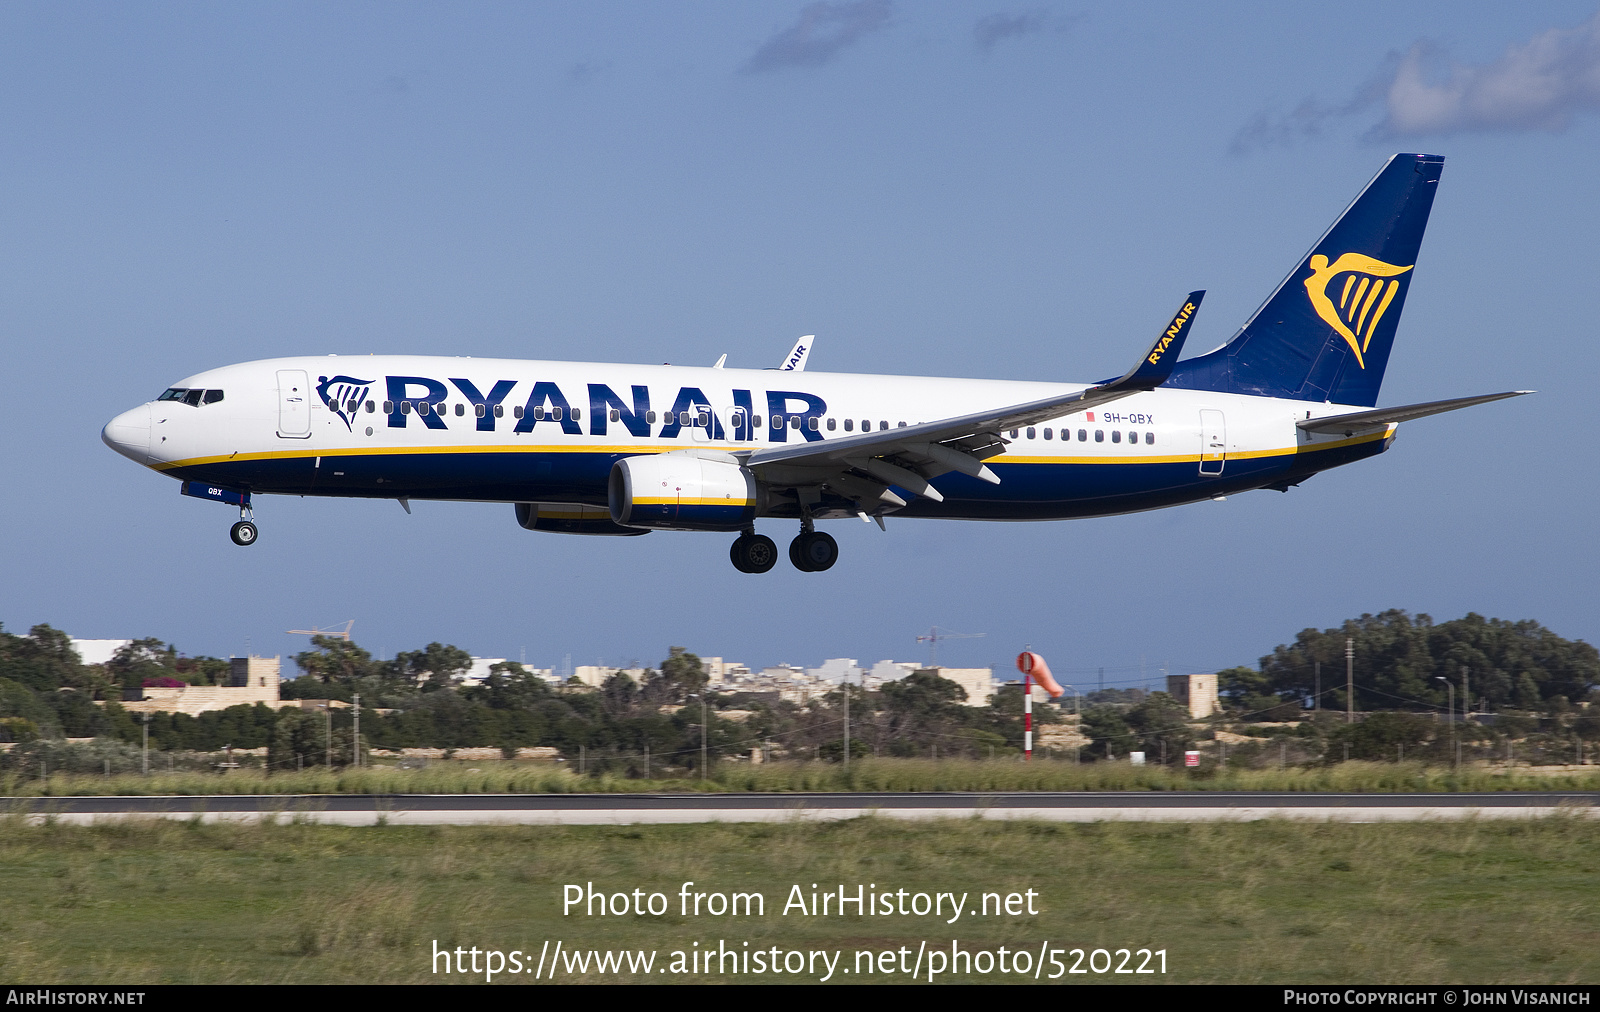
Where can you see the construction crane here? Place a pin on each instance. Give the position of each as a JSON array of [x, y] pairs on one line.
[[936, 634], [332, 632]]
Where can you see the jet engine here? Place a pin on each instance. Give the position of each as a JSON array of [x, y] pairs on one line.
[[571, 518], [682, 492]]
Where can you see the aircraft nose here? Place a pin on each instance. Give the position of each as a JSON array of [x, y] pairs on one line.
[[129, 434]]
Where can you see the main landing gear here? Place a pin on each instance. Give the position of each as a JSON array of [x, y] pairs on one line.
[[753, 553], [811, 552]]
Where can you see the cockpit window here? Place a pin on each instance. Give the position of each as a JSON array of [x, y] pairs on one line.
[[191, 397]]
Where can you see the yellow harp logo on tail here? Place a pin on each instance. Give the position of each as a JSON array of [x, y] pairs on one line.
[[1363, 298]]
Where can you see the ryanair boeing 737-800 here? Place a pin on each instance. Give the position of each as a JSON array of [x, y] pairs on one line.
[[586, 448]]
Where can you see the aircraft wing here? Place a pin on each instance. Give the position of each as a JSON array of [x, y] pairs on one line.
[[1357, 421], [862, 467]]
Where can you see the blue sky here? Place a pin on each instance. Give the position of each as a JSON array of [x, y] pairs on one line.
[[1009, 191]]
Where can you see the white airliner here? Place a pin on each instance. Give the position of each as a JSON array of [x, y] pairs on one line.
[[600, 449]]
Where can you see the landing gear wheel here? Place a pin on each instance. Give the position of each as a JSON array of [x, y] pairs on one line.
[[244, 533], [814, 552], [753, 553]]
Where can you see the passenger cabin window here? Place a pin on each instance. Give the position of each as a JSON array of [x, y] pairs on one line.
[[479, 410], [461, 409], [1116, 435], [516, 411], [1031, 432], [832, 424], [1047, 433], [650, 416], [538, 413], [1083, 435], [811, 423], [1099, 435], [616, 415], [1133, 437], [882, 426], [1013, 433], [794, 421], [371, 407], [500, 411], [849, 425], [405, 407], [1149, 439], [555, 413]]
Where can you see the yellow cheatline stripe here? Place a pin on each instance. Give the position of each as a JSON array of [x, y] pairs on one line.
[[381, 451], [1192, 457], [364, 451]]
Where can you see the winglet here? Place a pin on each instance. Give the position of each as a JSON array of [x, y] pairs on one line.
[[1157, 364], [795, 361]]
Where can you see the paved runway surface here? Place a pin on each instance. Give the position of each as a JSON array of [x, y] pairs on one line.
[[623, 809]]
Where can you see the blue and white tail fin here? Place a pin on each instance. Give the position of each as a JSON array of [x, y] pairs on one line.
[[1326, 332]]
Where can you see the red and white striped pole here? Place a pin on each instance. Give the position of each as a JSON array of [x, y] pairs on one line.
[[1033, 667]]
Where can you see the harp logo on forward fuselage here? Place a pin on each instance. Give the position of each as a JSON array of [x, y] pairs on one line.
[[1353, 307]]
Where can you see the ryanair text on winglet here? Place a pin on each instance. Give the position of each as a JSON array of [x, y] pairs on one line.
[[1172, 333]]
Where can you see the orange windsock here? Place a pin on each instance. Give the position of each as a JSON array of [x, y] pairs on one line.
[[1030, 663]]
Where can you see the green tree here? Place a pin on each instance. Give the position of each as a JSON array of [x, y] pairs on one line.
[[336, 661], [43, 660], [681, 676], [141, 661], [434, 667], [1162, 726], [1107, 731]]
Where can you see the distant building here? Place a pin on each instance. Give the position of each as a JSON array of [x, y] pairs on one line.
[[838, 670], [596, 674], [97, 651], [251, 680], [1197, 692], [978, 682], [479, 671], [889, 671]]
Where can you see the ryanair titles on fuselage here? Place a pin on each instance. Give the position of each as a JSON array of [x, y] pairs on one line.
[[409, 398]]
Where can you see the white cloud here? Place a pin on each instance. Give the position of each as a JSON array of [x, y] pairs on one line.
[[998, 27], [819, 34], [1537, 85]]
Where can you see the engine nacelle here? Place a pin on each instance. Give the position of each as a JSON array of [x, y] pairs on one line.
[[682, 492], [571, 518]]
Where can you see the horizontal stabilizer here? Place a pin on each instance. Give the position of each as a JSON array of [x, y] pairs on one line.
[[1377, 418]]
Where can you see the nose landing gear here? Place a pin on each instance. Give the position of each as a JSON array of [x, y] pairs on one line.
[[243, 533]]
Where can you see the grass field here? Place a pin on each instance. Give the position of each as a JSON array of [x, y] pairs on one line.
[[496, 777], [163, 901]]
